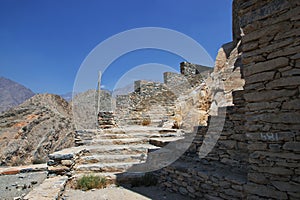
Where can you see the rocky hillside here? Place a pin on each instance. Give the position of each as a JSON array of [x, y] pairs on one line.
[[12, 94], [39, 126]]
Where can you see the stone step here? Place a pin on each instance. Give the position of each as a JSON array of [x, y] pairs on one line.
[[122, 130], [140, 135], [66, 154], [111, 158], [157, 135], [50, 189], [161, 142], [118, 141], [118, 149], [112, 136], [105, 167]]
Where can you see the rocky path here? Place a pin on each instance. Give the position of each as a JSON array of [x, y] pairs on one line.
[[107, 152]]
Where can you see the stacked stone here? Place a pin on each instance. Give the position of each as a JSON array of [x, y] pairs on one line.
[[155, 103], [147, 105], [106, 119], [271, 62], [177, 83], [188, 69], [61, 164], [223, 172], [200, 180], [85, 105]]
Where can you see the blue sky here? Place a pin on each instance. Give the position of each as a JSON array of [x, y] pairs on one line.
[[44, 42]]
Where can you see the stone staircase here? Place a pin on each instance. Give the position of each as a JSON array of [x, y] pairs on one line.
[[111, 152]]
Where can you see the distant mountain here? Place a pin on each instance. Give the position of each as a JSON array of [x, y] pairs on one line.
[[12, 94], [67, 96], [123, 90], [39, 126]]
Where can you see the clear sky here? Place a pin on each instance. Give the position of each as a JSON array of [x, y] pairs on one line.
[[44, 42]]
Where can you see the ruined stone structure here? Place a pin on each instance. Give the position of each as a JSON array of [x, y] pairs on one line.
[[147, 105], [84, 108], [252, 94], [106, 119], [154, 103], [257, 154]]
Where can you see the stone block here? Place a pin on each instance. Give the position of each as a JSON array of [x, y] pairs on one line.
[[61, 156], [293, 104], [67, 163], [268, 95], [292, 146], [284, 82], [263, 12], [257, 146], [292, 72], [284, 52], [264, 191], [274, 170], [234, 193], [286, 186], [285, 118], [262, 105], [210, 197], [261, 77], [265, 66], [183, 191], [228, 144]]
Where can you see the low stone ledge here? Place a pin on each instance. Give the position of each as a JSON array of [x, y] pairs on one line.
[[23, 169]]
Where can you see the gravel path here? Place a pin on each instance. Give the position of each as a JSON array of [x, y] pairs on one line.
[[20, 184]]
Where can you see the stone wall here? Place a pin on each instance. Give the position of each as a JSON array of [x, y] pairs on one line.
[[271, 68], [258, 153], [149, 104], [188, 69], [176, 82], [158, 104], [223, 172], [84, 106]]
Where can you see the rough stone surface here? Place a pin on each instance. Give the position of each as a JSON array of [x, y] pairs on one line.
[[50, 189], [29, 132]]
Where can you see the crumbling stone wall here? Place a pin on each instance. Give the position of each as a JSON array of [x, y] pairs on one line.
[[155, 104], [223, 172], [147, 105], [257, 155]]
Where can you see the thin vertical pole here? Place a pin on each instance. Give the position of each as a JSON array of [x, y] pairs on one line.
[[98, 96]]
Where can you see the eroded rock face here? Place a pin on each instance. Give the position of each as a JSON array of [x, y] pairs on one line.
[[32, 130], [226, 77]]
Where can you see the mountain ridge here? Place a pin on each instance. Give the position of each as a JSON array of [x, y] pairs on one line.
[[12, 94], [30, 131]]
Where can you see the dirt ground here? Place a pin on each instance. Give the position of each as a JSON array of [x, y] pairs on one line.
[[122, 193], [18, 185]]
